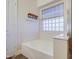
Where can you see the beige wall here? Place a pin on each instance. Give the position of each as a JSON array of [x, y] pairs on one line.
[[27, 29]]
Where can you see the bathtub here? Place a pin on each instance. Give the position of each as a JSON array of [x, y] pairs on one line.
[[38, 49]]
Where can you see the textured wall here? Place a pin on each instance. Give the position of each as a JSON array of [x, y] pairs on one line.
[[27, 29]]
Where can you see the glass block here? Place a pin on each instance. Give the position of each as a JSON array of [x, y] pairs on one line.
[[61, 19], [46, 25], [53, 11], [46, 21], [61, 24], [57, 20], [53, 29], [61, 7], [46, 29], [53, 25], [50, 25], [53, 18], [61, 29], [50, 29], [53, 21], [57, 29], [50, 21], [57, 24]]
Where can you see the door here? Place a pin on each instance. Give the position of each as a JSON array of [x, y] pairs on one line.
[[11, 27]]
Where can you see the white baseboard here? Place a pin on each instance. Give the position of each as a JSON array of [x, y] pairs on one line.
[[13, 54], [9, 55], [18, 52]]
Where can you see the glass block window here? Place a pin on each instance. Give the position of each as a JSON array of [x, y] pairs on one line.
[[53, 18]]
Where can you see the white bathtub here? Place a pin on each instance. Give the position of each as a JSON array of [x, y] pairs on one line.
[[38, 49]]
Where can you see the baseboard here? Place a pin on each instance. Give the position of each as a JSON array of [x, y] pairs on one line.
[[18, 52], [15, 54], [9, 55]]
